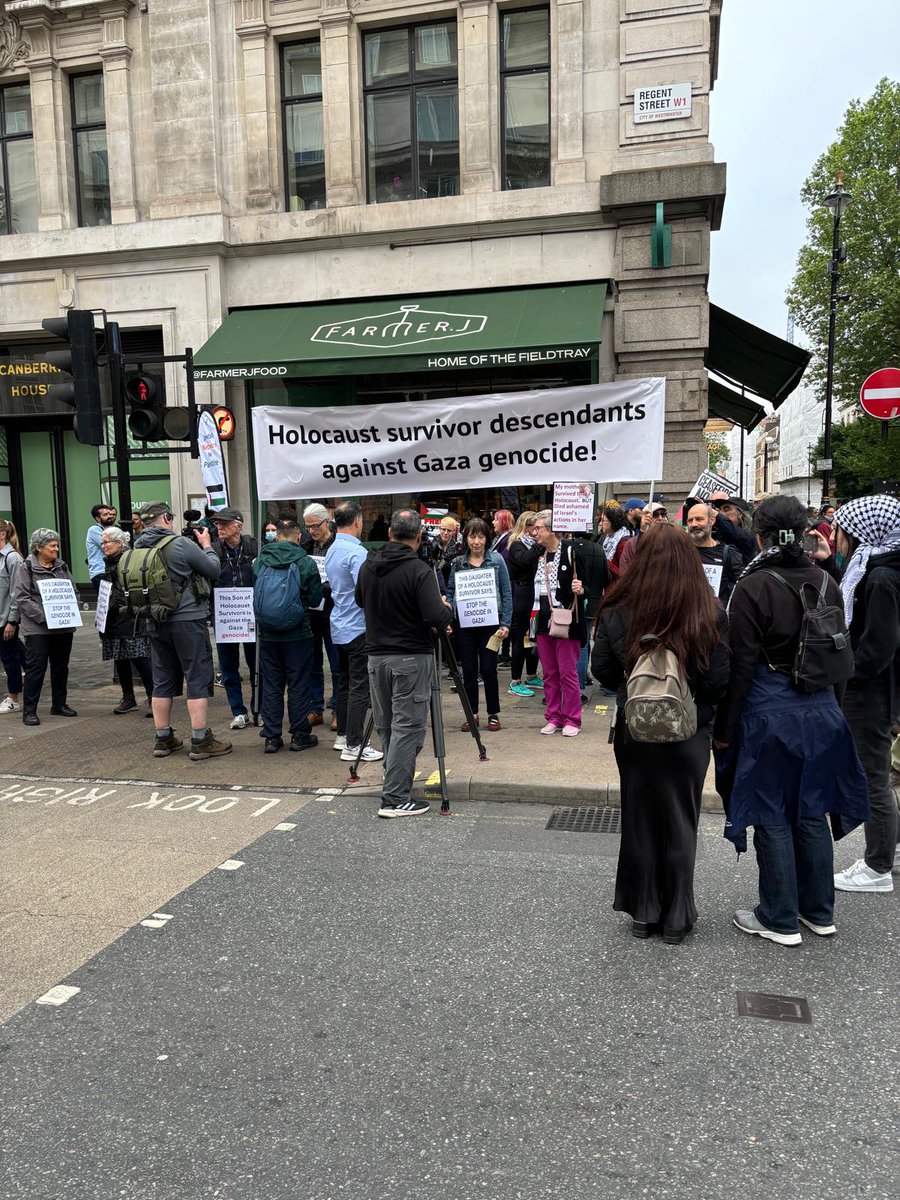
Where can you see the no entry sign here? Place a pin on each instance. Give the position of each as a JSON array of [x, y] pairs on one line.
[[880, 394]]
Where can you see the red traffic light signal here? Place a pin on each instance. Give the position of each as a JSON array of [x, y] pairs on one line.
[[146, 394]]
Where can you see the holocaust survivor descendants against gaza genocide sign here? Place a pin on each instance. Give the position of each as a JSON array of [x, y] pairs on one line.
[[600, 432]]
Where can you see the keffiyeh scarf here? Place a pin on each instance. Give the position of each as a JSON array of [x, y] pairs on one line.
[[611, 541], [875, 522]]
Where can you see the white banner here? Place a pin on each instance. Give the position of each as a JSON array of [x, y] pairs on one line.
[[710, 482], [476, 598], [601, 432], [60, 603], [212, 463], [102, 612], [233, 615], [573, 507], [713, 573]]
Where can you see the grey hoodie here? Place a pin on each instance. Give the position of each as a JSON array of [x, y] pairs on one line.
[[184, 558], [28, 594], [10, 561]]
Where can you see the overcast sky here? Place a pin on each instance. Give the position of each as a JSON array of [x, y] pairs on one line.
[[787, 71]]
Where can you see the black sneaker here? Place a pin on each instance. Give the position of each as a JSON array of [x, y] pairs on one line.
[[63, 711], [273, 745], [304, 741], [208, 747], [412, 808], [163, 746], [126, 704]]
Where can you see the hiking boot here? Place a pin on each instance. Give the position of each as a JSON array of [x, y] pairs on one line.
[[163, 746], [304, 741], [208, 747], [861, 878], [333, 725], [314, 718], [273, 745], [126, 704]]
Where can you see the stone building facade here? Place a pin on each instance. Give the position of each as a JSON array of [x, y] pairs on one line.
[[163, 191]]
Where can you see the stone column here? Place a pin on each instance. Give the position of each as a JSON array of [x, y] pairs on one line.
[[116, 55], [48, 124], [343, 178], [253, 32], [478, 100], [569, 92]]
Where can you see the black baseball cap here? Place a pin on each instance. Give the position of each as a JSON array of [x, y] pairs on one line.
[[227, 514], [737, 501]]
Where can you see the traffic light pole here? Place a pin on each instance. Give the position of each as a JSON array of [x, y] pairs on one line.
[[120, 430]]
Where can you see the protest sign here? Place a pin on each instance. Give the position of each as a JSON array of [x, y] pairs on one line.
[[212, 461], [713, 573], [234, 617], [102, 606], [60, 603], [323, 575], [710, 482], [573, 507], [603, 431], [476, 598]]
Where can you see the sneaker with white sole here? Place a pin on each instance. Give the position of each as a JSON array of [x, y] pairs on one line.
[[861, 878], [820, 930], [571, 730], [412, 808], [8, 705], [370, 754], [239, 722], [519, 689], [748, 922], [340, 743], [534, 682], [895, 870], [549, 729]]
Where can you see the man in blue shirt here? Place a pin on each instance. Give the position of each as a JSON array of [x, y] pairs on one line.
[[104, 515], [343, 559]]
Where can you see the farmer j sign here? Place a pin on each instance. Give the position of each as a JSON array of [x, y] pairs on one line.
[[407, 325]]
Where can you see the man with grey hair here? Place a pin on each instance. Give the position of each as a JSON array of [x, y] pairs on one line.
[[321, 530], [402, 604]]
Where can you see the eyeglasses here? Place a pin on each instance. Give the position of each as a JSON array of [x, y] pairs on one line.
[[659, 514], [311, 525]]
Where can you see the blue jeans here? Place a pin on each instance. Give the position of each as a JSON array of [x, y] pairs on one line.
[[796, 874], [230, 665], [582, 665], [322, 645]]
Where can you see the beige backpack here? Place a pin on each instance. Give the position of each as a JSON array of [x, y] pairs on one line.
[[659, 705]]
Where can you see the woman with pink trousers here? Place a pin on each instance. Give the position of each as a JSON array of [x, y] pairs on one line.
[[557, 588]]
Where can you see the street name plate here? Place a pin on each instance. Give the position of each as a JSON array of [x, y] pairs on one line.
[[774, 1008], [824, 464]]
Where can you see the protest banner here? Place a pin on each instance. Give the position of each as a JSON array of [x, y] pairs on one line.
[[102, 612], [573, 507], [710, 482], [713, 573], [60, 603], [212, 461], [603, 431], [476, 598], [234, 618], [323, 575]]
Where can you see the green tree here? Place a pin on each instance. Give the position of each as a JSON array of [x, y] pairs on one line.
[[867, 150], [861, 455], [716, 449]]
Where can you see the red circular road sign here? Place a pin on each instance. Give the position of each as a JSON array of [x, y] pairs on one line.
[[880, 394], [224, 419]]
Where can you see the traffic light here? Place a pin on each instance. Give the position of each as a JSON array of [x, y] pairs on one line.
[[150, 420], [82, 391]]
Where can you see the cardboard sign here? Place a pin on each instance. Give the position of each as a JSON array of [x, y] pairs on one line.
[[476, 598], [234, 617], [60, 603], [102, 606], [323, 575], [710, 482], [713, 573], [573, 507]]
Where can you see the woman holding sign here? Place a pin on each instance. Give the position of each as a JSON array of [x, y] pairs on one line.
[[48, 615], [560, 627], [479, 591]]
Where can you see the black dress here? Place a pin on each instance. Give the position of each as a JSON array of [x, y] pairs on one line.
[[661, 789]]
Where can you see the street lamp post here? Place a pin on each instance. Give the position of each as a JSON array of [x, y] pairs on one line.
[[837, 200]]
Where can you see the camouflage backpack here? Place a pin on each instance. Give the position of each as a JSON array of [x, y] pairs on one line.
[[659, 705]]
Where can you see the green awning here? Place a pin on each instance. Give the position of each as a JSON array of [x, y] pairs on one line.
[[501, 328], [749, 357], [731, 406]]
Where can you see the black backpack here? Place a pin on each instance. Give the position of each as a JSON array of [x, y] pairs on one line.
[[824, 655]]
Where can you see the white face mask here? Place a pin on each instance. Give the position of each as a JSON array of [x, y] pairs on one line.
[[270, 535]]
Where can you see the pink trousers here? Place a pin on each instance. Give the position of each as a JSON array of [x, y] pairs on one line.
[[562, 692]]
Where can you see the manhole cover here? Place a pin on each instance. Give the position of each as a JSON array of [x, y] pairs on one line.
[[774, 1008], [586, 819]]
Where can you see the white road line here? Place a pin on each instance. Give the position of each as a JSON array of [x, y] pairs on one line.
[[157, 920], [230, 864], [58, 995], [285, 827], [329, 791]]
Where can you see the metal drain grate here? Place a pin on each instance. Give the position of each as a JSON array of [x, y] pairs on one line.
[[586, 819]]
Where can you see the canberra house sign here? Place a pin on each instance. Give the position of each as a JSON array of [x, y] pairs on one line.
[[408, 325]]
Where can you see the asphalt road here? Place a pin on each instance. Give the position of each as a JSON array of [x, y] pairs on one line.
[[446, 1007]]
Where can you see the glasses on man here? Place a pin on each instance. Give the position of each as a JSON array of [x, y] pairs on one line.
[[659, 515], [311, 525]]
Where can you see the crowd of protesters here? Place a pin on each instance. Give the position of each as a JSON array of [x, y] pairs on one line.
[[723, 594]]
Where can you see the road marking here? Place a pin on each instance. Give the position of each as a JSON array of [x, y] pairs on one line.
[[58, 995], [157, 920], [230, 864], [330, 791], [285, 827], [161, 1057], [435, 777]]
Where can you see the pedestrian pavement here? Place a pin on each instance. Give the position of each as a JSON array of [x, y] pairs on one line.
[[521, 765], [448, 1008]]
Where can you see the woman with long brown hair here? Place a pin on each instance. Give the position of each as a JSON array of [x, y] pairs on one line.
[[664, 597]]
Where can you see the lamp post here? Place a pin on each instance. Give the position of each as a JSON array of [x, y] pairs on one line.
[[837, 200]]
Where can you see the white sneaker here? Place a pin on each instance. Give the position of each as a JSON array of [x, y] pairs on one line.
[[821, 930], [349, 753], [340, 743], [239, 722], [748, 922], [10, 705], [860, 878]]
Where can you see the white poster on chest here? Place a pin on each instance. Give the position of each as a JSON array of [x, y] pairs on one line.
[[713, 573], [60, 603], [234, 617], [476, 599]]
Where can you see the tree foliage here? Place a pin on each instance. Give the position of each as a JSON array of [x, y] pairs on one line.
[[867, 150], [861, 455]]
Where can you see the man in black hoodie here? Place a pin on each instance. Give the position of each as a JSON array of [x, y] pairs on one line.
[[402, 602]]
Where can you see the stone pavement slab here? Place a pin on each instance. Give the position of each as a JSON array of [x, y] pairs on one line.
[[448, 1007]]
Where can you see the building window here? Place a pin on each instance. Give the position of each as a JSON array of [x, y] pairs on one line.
[[18, 185], [525, 90], [91, 158], [412, 112], [301, 114]]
